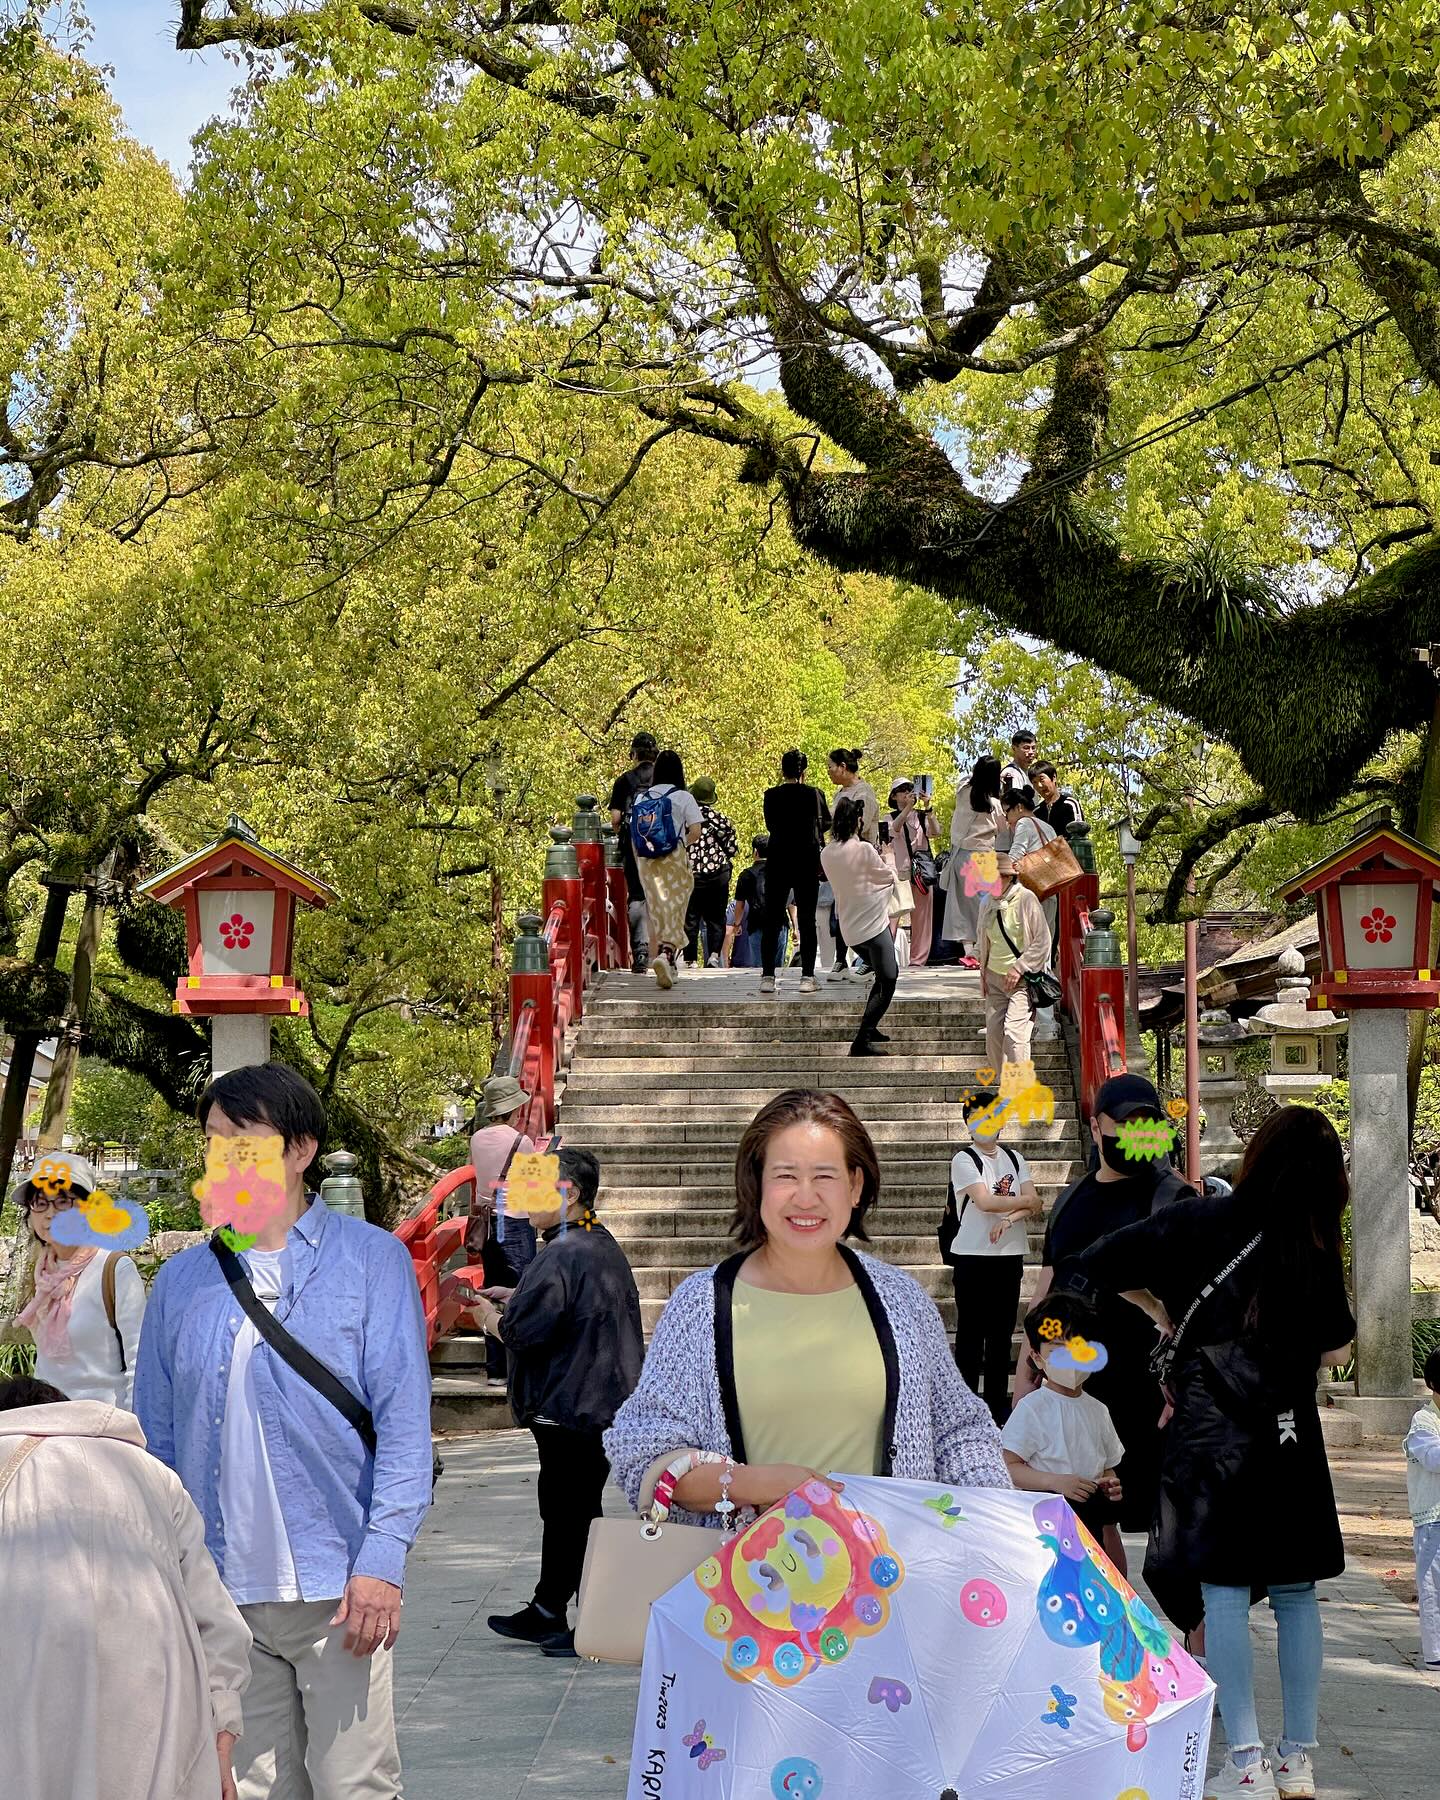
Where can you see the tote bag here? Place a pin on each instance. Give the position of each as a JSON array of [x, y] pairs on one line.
[[629, 1564], [1048, 869]]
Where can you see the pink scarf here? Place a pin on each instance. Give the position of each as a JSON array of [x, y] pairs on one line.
[[48, 1314]]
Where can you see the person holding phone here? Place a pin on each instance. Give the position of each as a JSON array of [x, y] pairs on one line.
[[912, 831]]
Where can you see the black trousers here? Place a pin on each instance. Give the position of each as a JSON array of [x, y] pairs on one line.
[[573, 1473], [878, 954], [987, 1304], [705, 916], [780, 878]]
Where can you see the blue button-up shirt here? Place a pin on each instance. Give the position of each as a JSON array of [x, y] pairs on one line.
[[351, 1298]]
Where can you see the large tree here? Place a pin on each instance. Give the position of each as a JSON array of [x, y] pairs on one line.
[[1097, 219]]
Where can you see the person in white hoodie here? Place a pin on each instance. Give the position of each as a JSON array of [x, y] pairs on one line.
[[126, 1657], [863, 883], [1422, 1475]]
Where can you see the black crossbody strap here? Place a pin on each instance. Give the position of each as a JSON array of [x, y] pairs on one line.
[[289, 1349], [1000, 921], [1208, 1289]]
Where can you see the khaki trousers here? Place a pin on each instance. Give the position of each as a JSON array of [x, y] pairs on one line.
[[1009, 1025], [319, 1722]]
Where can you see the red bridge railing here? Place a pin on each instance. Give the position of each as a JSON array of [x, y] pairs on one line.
[[555, 960]]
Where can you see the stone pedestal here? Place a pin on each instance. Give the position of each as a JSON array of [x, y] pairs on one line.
[[238, 1041], [1380, 1208]]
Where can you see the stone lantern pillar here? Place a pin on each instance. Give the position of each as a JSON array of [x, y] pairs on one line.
[[1221, 1085], [1302, 1042]]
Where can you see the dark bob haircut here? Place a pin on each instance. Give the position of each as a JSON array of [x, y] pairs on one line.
[[25, 1390], [582, 1170], [800, 1106], [793, 764], [267, 1094], [848, 818], [668, 767], [1073, 1316]]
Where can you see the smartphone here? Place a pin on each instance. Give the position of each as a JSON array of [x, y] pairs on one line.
[[924, 790]]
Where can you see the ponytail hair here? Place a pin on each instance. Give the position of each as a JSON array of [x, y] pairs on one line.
[[849, 815], [847, 759], [793, 764]]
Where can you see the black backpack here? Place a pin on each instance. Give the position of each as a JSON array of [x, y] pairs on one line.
[[949, 1225]]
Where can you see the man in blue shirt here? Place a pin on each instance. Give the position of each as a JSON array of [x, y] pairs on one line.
[[308, 1529]]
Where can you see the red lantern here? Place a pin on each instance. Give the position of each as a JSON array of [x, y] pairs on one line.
[[1374, 900], [239, 901]]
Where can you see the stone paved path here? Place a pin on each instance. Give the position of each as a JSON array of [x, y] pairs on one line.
[[481, 1719]]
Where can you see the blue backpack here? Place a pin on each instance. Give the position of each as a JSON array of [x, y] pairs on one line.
[[652, 825]]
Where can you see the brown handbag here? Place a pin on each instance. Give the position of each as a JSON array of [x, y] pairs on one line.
[[1048, 869]]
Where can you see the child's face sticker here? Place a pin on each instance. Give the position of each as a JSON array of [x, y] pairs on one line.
[[243, 1188], [97, 1222]]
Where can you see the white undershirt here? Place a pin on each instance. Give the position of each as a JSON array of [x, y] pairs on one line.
[[258, 1563]]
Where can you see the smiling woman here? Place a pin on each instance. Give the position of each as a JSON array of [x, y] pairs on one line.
[[798, 1356]]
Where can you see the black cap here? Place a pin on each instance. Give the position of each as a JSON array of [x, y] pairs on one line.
[[1127, 1097]]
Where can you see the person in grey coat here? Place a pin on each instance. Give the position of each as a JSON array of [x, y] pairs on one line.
[[798, 1356], [572, 1326]]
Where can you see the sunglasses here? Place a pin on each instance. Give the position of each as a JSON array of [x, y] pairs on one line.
[[45, 1203]]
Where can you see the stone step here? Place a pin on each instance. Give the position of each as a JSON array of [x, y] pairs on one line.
[[466, 1401], [793, 1007], [627, 1182], [795, 1068], [713, 1222], [610, 1131], [833, 1027], [870, 1084]]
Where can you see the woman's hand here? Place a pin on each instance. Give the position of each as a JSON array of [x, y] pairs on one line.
[[224, 1744], [762, 1484], [1014, 975]]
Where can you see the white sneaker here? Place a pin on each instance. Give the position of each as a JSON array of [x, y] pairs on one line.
[[767, 984], [712, 961], [664, 974], [1255, 1783], [838, 974], [1294, 1775], [807, 984]]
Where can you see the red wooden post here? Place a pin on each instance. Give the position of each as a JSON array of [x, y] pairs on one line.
[[619, 896], [1102, 1009], [562, 882], [531, 981], [590, 854], [1081, 896]]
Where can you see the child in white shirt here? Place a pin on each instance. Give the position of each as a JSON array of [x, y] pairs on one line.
[[1059, 1439], [1422, 1475]]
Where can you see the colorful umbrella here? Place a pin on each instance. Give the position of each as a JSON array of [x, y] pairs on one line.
[[901, 1642]]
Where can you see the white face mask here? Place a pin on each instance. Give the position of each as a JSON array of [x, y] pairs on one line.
[[1063, 1377]]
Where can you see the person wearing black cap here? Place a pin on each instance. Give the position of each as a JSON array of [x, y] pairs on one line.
[[1118, 1191]]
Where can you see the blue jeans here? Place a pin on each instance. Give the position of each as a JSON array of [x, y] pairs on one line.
[[1229, 1658]]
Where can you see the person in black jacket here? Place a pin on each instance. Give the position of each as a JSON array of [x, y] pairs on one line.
[[797, 820], [572, 1327], [1250, 1290]]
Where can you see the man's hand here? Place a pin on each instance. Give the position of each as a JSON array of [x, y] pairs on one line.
[[489, 1316], [1013, 977], [1110, 1487], [1076, 1489], [370, 1609], [224, 1744], [497, 1294]]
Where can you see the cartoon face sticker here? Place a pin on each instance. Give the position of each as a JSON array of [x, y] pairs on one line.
[[1080, 1354], [982, 874], [533, 1186], [243, 1187], [796, 1778], [99, 1223], [798, 1587], [52, 1176], [982, 1603]]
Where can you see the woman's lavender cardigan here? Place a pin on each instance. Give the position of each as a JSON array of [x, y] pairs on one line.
[[942, 1432]]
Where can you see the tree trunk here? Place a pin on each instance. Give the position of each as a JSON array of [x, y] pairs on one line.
[[67, 1056], [26, 1043]]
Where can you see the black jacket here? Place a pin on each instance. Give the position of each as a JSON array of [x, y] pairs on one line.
[[1245, 1495], [573, 1329]]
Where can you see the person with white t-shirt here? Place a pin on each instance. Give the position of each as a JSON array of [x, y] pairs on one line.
[[992, 1193], [1059, 1439]]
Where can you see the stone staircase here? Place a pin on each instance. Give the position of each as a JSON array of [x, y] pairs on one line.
[[661, 1087]]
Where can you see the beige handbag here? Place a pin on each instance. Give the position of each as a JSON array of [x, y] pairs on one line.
[[901, 899], [1046, 870], [629, 1563]]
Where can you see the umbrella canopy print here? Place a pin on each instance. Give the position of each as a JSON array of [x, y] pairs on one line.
[[902, 1640]]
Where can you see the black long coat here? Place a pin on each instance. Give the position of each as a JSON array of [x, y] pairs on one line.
[[1245, 1492]]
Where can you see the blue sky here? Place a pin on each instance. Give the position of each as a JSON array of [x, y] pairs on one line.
[[166, 94]]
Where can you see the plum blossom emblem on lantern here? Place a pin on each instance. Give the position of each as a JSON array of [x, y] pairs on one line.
[[1378, 926], [237, 931]]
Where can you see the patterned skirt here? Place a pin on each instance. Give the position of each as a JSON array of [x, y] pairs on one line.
[[667, 882]]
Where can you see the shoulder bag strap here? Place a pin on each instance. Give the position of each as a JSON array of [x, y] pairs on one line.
[[12, 1468], [1208, 1289], [107, 1294], [1000, 921], [290, 1350]]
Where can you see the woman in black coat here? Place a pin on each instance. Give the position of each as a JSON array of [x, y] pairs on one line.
[[1252, 1287]]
